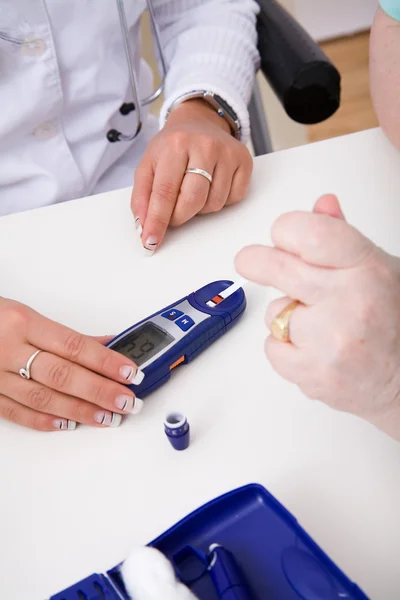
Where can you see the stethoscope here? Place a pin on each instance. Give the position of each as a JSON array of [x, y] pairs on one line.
[[138, 103]]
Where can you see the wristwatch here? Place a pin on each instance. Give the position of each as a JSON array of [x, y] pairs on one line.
[[218, 104]]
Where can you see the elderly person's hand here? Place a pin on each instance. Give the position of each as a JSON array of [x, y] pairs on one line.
[[194, 136], [344, 334]]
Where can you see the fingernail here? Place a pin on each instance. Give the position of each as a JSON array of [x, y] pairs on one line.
[[116, 420], [137, 407], [138, 227], [131, 374], [138, 378], [64, 424], [108, 419], [150, 245], [125, 403], [127, 373]]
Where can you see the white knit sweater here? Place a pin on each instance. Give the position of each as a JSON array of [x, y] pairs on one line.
[[64, 76], [211, 45]]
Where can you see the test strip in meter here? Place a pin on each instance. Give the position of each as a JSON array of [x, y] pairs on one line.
[[226, 293]]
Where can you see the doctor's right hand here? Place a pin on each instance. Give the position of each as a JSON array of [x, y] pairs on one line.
[[72, 379]]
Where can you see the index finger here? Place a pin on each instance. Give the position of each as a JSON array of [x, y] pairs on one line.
[[284, 272], [45, 334], [142, 186], [320, 239], [167, 182]]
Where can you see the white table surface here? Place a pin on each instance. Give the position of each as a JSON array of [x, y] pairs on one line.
[[72, 503]]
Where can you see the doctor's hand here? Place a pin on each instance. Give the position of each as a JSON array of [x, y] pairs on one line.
[[344, 334], [74, 379], [194, 136]]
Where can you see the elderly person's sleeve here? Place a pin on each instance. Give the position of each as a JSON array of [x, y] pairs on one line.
[[210, 45], [385, 68], [391, 8]]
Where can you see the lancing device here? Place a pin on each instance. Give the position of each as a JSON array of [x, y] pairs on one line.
[[176, 334], [228, 580]]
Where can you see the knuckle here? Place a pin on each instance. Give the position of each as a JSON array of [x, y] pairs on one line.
[[210, 145], [10, 412], [99, 393], [15, 317], [40, 398], [279, 263], [106, 362], [74, 345], [59, 375], [166, 191], [230, 154], [178, 141]]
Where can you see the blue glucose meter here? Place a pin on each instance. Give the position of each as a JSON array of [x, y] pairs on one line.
[[176, 334]]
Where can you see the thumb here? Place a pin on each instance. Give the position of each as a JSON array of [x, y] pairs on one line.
[[329, 205]]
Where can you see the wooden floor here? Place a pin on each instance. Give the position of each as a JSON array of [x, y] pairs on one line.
[[350, 55]]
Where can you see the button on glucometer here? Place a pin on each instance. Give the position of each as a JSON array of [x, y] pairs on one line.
[[185, 323], [172, 315]]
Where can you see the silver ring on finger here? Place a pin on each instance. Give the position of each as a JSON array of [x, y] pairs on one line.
[[201, 172], [26, 372]]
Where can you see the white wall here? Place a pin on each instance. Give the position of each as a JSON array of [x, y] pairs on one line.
[[325, 19]]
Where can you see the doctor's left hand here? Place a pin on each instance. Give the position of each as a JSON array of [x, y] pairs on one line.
[[195, 136]]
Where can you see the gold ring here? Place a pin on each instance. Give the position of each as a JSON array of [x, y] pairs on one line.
[[280, 323]]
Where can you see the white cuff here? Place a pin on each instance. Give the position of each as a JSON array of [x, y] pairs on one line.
[[224, 91]]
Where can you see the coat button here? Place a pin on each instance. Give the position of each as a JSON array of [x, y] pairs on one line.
[[45, 131], [33, 47]]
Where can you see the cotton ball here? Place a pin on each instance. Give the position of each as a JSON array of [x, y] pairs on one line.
[[148, 575]]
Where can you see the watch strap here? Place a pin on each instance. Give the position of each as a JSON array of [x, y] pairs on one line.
[[216, 102]]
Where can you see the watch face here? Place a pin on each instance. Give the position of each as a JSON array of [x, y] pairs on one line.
[[226, 111], [225, 106]]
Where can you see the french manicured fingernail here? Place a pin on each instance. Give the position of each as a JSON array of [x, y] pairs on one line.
[[127, 373], [108, 419], [150, 245], [137, 407], [125, 403], [138, 378], [138, 226], [64, 424], [131, 374]]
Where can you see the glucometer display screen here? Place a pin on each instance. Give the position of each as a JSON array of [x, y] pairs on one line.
[[143, 343]]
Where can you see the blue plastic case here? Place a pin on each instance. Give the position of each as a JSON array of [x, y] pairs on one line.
[[276, 556], [222, 317]]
